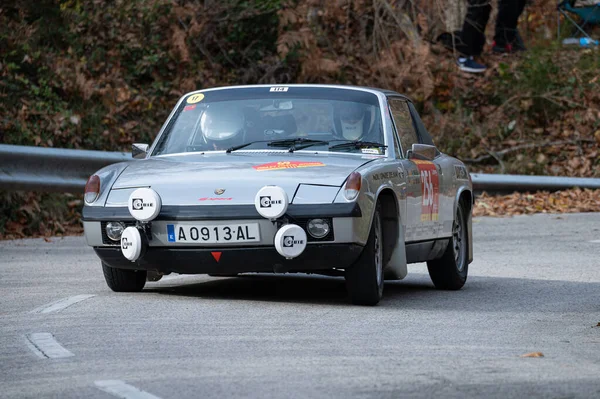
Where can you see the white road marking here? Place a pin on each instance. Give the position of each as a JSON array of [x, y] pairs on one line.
[[61, 304], [45, 346], [122, 390], [595, 241]]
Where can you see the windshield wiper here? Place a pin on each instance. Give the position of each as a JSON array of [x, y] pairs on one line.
[[240, 146], [297, 143], [281, 143], [357, 144]]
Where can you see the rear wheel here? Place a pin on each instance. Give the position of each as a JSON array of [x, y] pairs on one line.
[[124, 280], [364, 280], [450, 271]]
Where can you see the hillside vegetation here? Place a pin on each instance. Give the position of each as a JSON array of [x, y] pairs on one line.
[[101, 74]]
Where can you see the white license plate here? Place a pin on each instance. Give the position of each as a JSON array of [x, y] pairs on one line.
[[212, 233]]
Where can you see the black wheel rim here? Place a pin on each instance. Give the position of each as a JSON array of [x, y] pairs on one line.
[[458, 239]]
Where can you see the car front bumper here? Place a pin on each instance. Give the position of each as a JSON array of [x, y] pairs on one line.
[[347, 221], [233, 260]]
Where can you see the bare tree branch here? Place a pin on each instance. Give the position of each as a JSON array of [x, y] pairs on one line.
[[198, 45], [497, 155]]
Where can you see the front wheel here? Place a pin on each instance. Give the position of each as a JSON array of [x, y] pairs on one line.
[[364, 280], [450, 271], [124, 280]]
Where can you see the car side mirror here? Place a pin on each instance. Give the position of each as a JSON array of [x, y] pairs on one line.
[[139, 151], [423, 152]]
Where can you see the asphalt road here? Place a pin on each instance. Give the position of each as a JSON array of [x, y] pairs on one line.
[[534, 286]]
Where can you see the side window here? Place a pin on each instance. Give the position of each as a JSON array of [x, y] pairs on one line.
[[397, 149], [423, 133], [404, 123]]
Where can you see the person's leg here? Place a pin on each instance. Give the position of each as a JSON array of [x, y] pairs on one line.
[[472, 36], [506, 23], [518, 44], [521, 6], [473, 31]]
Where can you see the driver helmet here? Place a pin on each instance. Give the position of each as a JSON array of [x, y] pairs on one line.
[[222, 125], [352, 116]]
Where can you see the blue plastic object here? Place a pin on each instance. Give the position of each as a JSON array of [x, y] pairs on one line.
[[586, 42], [583, 42]]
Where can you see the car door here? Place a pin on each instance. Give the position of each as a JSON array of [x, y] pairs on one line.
[[446, 188], [401, 187], [422, 178]]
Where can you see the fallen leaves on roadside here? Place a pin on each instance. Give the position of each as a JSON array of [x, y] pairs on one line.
[[533, 354], [566, 201], [44, 215]]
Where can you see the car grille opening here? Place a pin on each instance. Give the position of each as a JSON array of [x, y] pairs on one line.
[[302, 222]]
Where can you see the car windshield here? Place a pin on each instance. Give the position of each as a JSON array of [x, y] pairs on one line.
[[271, 117]]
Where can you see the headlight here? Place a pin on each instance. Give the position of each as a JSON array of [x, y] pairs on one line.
[[92, 189], [114, 230], [352, 187], [318, 228]]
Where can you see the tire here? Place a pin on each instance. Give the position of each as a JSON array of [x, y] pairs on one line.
[[450, 271], [364, 280], [123, 280]]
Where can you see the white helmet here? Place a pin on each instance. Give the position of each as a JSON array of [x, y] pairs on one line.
[[222, 124], [352, 116]]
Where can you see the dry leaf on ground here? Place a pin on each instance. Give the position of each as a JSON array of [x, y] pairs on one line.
[[533, 354], [566, 201]]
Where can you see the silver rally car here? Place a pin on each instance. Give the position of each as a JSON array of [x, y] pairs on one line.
[[337, 180]]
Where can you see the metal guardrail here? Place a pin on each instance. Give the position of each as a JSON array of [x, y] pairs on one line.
[[51, 169], [511, 183], [65, 170]]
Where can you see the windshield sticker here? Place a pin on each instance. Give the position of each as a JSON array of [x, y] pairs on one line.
[[370, 151], [286, 165], [195, 98], [189, 107], [280, 89]]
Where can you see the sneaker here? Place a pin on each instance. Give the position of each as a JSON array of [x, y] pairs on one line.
[[501, 49], [507, 48], [469, 65], [517, 45]]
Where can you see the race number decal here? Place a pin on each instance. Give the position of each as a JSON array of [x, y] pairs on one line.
[[430, 187], [195, 98]]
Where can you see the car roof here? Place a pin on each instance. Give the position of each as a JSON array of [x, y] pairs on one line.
[[385, 92]]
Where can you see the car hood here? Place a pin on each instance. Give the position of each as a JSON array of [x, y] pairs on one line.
[[192, 179]]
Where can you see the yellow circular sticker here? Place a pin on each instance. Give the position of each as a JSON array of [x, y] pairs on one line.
[[195, 98]]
